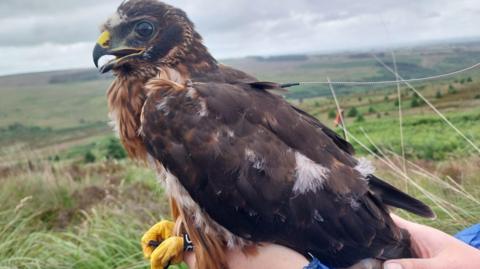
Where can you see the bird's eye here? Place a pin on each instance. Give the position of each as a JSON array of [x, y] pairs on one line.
[[144, 29]]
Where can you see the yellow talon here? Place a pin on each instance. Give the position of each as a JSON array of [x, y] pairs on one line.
[[154, 237], [169, 252]]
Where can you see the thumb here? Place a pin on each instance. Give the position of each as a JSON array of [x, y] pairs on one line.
[[409, 264]]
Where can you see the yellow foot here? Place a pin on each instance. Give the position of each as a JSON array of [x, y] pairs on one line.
[[169, 252], [161, 247], [155, 236]]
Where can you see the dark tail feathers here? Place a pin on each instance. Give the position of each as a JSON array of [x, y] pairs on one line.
[[392, 196]]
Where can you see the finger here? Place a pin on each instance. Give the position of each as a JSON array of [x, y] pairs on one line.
[[403, 223], [410, 264]]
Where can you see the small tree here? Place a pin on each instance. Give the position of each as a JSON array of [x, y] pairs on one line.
[[438, 95], [89, 157], [352, 113], [115, 150], [371, 110], [414, 103], [451, 89], [332, 114], [360, 118], [469, 79]]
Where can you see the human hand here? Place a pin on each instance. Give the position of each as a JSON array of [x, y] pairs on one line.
[[437, 250]]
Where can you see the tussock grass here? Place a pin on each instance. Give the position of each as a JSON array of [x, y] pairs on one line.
[[49, 220], [61, 215]]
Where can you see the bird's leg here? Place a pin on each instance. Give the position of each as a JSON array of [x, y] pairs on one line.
[[367, 264]]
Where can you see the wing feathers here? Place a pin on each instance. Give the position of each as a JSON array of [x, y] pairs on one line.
[[238, 162], [392, 196]]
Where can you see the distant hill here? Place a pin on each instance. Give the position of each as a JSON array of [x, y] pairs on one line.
[[412, 62], [51, 77]]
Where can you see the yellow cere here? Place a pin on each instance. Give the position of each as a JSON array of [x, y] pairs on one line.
[[104, 39]]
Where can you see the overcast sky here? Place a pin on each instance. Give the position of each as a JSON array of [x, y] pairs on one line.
[[38, 35]]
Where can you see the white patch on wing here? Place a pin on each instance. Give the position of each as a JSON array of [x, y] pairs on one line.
[[249, 154], [354, 203], [230, 133], [192, 93], [202, 220], [310, 175], [203, 109], [216, 137], [365, 167], [256, 161]]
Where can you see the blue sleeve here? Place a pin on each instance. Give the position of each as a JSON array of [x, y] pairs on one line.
[[470, 236], [315, 264]]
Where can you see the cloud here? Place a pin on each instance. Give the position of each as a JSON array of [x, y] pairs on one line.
[[45, 57], [233, 28], [62, 24]]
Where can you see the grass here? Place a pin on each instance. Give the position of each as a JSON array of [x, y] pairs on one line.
[[50, 218], [71, 215], [69, 198], [449, 187], [62, 105], [426, 137]]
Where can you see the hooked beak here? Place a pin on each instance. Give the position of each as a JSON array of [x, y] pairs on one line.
[[106, 58]]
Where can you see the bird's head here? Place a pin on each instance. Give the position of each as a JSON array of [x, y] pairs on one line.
[[146, 34]]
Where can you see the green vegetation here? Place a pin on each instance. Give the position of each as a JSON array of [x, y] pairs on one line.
[[360, 118], [49, 220], [332, 114], [426, 137], [89, 157], [352, 113], [451, 89], [71, 199]]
